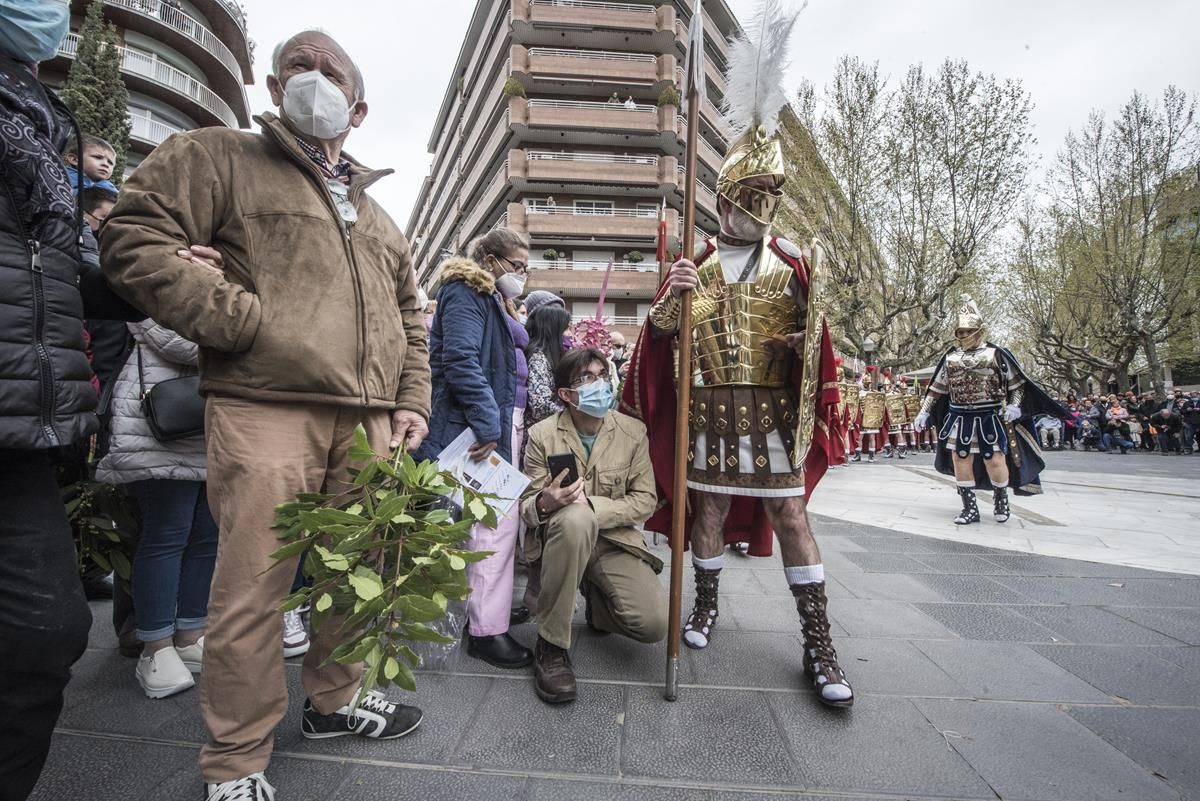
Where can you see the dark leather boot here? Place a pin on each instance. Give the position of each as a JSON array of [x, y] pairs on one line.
[[553, 676], [820, 658], [970, 510], [1000, 504], [499, 650], [700, 624]]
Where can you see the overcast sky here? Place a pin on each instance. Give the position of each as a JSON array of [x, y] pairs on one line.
[[1072, 55]]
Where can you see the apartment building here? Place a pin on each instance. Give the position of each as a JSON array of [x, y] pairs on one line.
[[556, 122], [186, 64]]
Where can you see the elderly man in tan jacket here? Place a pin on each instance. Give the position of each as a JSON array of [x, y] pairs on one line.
[[312, 327], [589, 529]]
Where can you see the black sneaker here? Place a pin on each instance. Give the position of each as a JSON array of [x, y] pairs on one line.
[[376, 717]]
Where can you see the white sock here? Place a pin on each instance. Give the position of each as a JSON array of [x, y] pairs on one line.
[[999, 486], [804, 574], [966, 484], [716, 563]]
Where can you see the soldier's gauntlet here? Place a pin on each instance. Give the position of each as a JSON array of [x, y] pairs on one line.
[[928, 404], [664, 314]]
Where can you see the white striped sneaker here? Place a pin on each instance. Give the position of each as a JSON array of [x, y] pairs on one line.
[[295, 637], [254, 787], [375, 717]]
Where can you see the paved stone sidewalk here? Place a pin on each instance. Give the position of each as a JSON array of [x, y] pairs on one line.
[[980, 674]]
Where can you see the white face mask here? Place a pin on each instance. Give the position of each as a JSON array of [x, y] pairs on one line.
[[510, 285], [315, 106]]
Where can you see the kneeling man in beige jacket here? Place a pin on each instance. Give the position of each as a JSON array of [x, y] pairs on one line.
[[590, 529]]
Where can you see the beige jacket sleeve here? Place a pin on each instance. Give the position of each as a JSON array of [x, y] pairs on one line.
[[415, 385], [173, 200], [536, 470], [636, 506]]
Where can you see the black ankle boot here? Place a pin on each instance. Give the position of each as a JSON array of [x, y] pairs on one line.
[[1000, 505], [499, 650], [970, 510]]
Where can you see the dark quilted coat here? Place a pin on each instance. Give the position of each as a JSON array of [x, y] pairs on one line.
[[46, 398]]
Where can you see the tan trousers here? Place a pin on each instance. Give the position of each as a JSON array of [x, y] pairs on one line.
[[261, 455], [625, 595]]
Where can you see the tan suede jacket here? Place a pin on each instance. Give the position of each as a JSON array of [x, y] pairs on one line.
[[618, 479], [307, 310]]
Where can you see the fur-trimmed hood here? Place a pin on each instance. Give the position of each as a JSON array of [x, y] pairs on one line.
[[466, 270]]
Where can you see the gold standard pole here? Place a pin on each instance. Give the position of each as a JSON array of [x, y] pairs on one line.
[[683, 393]]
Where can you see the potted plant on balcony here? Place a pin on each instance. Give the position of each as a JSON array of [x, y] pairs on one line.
[[669, 96], [550, 254], [514, 88], [634, 257]]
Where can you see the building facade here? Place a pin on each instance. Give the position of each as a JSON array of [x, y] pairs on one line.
[[559, 120], [186, 64]]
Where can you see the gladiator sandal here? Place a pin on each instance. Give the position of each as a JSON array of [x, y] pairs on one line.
[[820, 658], [870, 457], [1000, 504], [857, 457], [970, 510], [698, 629], [902, 451]]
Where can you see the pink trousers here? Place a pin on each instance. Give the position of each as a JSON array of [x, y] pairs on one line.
[[491, 581]]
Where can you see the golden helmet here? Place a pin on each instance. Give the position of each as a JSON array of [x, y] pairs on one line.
[[755, 155]]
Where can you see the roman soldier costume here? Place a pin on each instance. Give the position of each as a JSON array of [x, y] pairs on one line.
[[764, 420], [874, 414], [982, 404], [898, 420]]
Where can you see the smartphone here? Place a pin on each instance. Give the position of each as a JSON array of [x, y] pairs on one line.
[[558, 462]]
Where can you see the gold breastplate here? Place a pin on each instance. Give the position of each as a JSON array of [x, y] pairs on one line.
[[738, 328], [912, 406], [974, 377]]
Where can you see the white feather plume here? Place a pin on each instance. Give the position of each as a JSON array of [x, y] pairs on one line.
[[758, 59]]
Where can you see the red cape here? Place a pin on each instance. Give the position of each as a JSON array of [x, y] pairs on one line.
[[649, 395]]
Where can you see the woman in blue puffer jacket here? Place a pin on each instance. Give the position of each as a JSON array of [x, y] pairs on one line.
[[477, 361]]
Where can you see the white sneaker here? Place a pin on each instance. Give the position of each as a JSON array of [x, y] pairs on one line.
[[163, 674], [254, 787], [295, 638], [192, 655]]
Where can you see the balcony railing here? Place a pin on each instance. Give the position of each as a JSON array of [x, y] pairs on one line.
[[601, 266], [151, 131], [601, 212], [606, 55], [643, 108], [596, 5], [144, 65], [611, 320], [605, 158], [187, 25]]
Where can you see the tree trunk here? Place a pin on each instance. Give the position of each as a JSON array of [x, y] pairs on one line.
[[1157, 379]]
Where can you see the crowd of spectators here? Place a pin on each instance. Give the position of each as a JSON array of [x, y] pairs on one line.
[[1125, 423]]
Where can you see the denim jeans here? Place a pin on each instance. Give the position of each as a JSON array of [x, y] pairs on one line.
[[1189, 437], [1115, 439], [44, 619], [173, 566]]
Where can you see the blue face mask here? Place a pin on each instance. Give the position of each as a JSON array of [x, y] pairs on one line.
[[31, 30], [595, 399]]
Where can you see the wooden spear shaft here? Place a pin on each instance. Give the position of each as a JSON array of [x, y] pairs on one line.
[[683, 403]]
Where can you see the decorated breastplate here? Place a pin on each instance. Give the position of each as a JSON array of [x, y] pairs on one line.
[[974, 377], [897, 410], [872, 406], [738, 328]]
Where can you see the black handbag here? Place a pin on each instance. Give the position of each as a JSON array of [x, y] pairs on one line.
[[173, 408]]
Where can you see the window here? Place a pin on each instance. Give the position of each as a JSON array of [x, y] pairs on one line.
[[594, 207], [648, 210]]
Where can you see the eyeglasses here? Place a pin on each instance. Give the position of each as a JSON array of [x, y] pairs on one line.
[[590, 378], [519, 267]]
